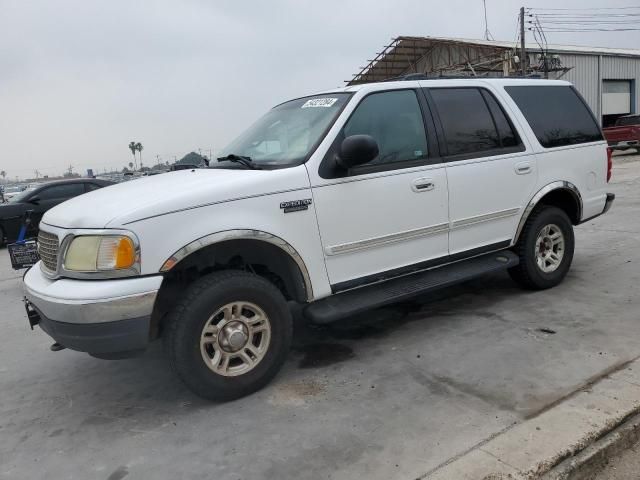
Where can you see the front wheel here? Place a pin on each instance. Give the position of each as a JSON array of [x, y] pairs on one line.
[[545, 248], [229, 335]]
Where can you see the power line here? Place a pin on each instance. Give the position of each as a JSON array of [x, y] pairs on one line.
[[558, 30], [597, 19], [586, 8]]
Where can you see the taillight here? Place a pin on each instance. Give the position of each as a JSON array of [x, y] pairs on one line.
[[609, 163]]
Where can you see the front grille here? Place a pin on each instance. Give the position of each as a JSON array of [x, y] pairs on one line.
[[48, 250]]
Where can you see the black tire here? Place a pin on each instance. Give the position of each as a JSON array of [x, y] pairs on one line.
[[189, 316], [528, 274], [1, 237]]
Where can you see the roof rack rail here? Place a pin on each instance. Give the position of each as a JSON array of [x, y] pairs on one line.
[[422, 76]]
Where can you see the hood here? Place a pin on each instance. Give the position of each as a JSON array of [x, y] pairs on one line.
[[118, 205]]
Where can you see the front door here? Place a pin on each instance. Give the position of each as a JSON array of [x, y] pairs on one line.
[[392, 212], [491, 175]]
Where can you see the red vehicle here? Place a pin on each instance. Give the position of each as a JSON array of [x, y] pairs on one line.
[[625, 133]]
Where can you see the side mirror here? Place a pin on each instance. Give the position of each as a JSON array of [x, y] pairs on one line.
[[357, 150], [34, 200]]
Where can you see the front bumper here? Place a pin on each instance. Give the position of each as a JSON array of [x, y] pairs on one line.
[[101, 317]]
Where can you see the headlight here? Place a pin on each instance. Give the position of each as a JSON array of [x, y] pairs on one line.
[[102, 253]]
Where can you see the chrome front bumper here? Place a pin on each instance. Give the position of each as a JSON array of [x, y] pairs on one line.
[[108, 319], [91, 301]]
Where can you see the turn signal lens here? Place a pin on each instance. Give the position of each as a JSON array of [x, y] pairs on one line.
[[116, 253]]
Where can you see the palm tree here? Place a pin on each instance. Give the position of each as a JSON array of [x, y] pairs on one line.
[[139, 147], [133, 147], [3, 174], [131, 165]]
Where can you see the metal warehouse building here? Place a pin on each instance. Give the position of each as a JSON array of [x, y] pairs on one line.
[[608, 78]]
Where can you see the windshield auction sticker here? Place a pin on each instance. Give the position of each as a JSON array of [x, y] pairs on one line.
[[319, 102]]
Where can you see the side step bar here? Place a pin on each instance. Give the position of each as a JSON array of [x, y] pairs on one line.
[[361, 299]]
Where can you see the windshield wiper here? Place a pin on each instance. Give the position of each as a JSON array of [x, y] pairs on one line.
[[241, 159]]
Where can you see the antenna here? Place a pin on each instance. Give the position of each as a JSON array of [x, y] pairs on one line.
[[487, 33]]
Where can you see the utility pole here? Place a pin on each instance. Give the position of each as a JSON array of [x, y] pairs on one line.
[[523, 53]]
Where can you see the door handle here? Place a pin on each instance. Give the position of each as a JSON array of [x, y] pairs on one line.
[[422, 185], [523, 168]]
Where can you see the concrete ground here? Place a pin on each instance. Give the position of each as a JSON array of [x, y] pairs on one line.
[[623, 467], [396, 393]]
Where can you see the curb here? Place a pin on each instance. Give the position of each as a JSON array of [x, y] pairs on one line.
[[593, 458], [566, 441]]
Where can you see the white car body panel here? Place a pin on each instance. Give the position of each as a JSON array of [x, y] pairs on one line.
[[146, 197], [356, 226], [378, 223]]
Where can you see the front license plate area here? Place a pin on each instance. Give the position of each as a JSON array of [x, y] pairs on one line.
[[23, 255]]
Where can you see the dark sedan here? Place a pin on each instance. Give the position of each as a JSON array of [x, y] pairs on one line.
[[39, 200]]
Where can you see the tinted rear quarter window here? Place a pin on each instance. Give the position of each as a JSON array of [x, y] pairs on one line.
[[557, 115]]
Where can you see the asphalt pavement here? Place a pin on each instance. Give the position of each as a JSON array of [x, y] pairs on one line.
[[394, 393]]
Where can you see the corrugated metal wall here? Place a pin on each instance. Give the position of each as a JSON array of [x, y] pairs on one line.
[[587, 70], [584, 75]]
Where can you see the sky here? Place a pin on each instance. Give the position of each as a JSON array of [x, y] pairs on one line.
[[81, 79]]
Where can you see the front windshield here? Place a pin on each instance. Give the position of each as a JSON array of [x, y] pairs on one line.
[[286, 134], [21, 196]]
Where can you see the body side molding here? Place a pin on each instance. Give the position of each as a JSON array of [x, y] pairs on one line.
[[227, 235], [558, 185]]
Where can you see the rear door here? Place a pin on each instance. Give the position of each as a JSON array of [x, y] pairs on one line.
[[490, 173]]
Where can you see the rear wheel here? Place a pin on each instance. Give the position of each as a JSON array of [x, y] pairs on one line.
[[545, 248], [229, 335]]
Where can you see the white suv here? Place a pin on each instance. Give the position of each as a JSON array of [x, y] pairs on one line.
[[343, 201]]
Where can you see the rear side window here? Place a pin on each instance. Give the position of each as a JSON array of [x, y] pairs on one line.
[[472, 121], [556, 114], [506, 132]]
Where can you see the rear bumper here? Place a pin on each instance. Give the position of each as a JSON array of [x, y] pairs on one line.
[[607, 206], [624, 143]]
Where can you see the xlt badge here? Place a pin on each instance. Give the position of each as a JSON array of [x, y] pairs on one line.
[[295, 205]]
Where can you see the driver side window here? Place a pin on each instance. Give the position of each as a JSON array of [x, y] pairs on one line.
[[394, 120]]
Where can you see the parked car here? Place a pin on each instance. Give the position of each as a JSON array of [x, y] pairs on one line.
[[625, 134], [342, 201], [9, 192], [39, 199]]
